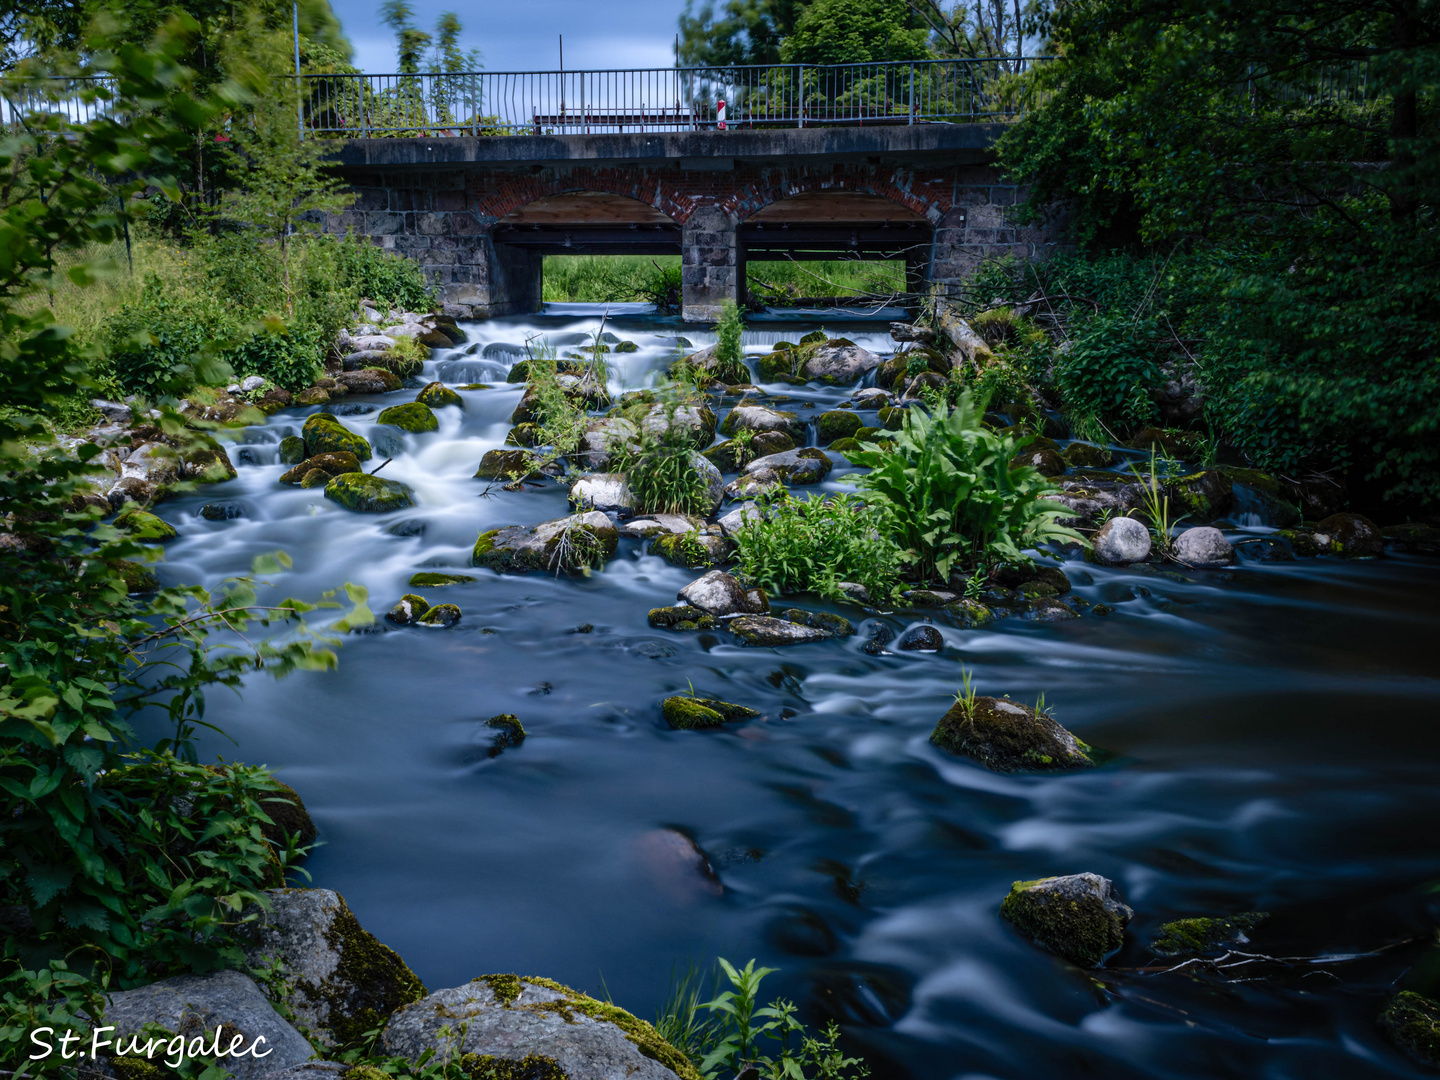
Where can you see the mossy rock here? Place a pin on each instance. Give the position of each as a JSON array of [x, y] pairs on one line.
[[522, 435], [1078, 917], [509, 732], [779, 366], [576, 543], [692, 713], [414, 417], [1413, 1024], [427, 579], [681, 618], [439, 615], [1175, 444], [323, 434], [519, 373], [892, 417], [505, 465], [436, 395], [1301, 541], [836, 424], [143, 525], [815, 337], [1087, 456], [1350, 536], [314, 478], [846, 446], [821, 620], [1202, 496], [969, 614], [292, 450], [333, 464], [1006, 736], [695, 551], [408, 609], [311, 395], [726, 457], [1200, 935], [367, 494], [138, 1068], [288, 817], [138, 577], [626, 347]]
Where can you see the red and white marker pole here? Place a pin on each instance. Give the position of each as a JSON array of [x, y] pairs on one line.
[[720, 115]]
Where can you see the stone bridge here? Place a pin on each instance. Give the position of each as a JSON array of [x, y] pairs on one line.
[[480, 213]]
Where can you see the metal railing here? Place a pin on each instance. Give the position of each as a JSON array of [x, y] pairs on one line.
[[76, 99], [665, 99]]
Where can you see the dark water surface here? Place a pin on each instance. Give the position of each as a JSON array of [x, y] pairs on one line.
[[1273, 729]]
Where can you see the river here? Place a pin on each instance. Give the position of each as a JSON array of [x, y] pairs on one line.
[[1272, 732]]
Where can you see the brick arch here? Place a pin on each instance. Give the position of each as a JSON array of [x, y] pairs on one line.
[[494, 201], [898, 187]]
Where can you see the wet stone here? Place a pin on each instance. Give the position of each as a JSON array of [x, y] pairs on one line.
[[765, 631], [1078, 917], [222, 511], [689, 713], [1006, 736], [920, 638]]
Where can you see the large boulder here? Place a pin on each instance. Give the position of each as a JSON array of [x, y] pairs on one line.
[[1350, 536], [367, 494], [1203, 496], [368, 381], [762, 630], [502, 464], [710, 476], [733, 454], [718, 593], [1006, 736], [414, 417], [193, 1006], [436, 395], [804, 466], [1078, 917], [507, 1026], [758, 418], [840, 363], [1120, 541], [656, 525], [1413, 1023], [602, 491], [577, 542], [342, 982], [605, 441], [1203, 546], [323, 434], [837, 424], [336, 463]]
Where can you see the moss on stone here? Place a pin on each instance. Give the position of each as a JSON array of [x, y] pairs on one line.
[[815, 337], [510, 732], [368, 494], [407, 609], [429, 580], [437, 395], [489, 1067], [1301, 542], [323, 434], [333, 463], [1079, 930], [1005, 736], [137, 576], [836, 424], [1200, 935], [314, 478], [414, 417], [506, 988], [691, 713], [969, 613], [522, 435], [681, 618], [137, 1068], [484, 545], [440, 615], [143, 525], [505, 465], [379, 982], [292, 449], [364, 1072], [645, 1038], [1413, 1024], [821, 620]]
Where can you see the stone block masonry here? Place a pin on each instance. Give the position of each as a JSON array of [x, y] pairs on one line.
[[444, 214]]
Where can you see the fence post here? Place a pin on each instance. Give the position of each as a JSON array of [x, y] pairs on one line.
[[299, 88], [800, 95], [911, 97]]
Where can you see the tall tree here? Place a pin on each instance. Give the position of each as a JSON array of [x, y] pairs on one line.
[[738, 32], [855, 32]]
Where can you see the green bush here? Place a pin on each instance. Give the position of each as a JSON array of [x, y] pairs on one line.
[[162, 344], [379, 275], [661, 475], [729, 353], [810, 545], [1106, 375], [949, 497], [292, 358]]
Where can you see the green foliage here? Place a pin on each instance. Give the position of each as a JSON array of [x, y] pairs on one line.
[[744, 1029], [1105, 377], [128, 859], [679, 1022], [947, 494], [729, 354], [854, 32], [810, 545], [293, 359], [742, 32], [161, 344], [661, 474], [380, 275], [663, 288], [1155, 504]]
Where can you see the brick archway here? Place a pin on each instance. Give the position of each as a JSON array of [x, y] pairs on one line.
[[491, 201], [926, 198]]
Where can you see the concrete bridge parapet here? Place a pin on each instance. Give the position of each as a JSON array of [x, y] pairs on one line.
[[470, 210]]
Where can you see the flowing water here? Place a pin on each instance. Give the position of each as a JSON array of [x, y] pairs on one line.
[[1272, 730]]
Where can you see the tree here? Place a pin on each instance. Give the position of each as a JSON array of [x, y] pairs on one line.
[[741, 32], [855, 32], [1287, 149], [983, 28]]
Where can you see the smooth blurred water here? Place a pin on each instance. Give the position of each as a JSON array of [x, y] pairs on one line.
[[1273, 732]]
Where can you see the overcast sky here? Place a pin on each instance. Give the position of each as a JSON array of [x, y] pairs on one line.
[[521, 35]]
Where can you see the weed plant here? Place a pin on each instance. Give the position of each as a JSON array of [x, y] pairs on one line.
[[811, 545]]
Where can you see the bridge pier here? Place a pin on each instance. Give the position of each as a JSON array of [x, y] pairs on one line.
[[710, 270]]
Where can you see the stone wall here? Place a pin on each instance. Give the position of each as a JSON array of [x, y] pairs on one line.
[[443, 217]]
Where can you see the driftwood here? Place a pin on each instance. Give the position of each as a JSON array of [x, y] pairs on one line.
[[968, 347]]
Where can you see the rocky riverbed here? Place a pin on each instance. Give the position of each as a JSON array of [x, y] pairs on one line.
[[706, 771]]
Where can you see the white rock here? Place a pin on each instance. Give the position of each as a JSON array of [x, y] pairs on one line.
[[254, 382], [1122, 540], [743, 514], [1203, 546], [602, 491], [661, 525], [718, 593], [113, 411]]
